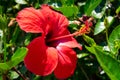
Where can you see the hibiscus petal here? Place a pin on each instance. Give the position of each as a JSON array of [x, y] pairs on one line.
[[30, 20], [40, 59], [70, 42], [66, 62], [57, 22]]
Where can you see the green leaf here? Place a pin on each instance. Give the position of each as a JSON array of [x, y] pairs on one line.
[[89, 40], [19, 55], [90, 6], [108, 21], [4, 67], [114, 40], [90, 49], [118, 10], [68, 11], [110, 65], [81, 55], [27, 39], [15, 60]]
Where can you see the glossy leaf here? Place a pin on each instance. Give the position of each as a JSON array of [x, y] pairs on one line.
[[90, 6], [110, 65], [114, 40]]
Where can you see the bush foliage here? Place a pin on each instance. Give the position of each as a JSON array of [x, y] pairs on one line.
[[100, 57]]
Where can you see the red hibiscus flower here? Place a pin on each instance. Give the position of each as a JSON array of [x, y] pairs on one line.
[[52, 51]]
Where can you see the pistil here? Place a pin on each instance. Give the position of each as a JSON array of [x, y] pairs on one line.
[[65, 36]]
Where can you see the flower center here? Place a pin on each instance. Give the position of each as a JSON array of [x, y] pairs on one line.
[[84, 29]]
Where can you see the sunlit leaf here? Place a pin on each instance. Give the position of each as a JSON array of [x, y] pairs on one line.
[[81, 55], [99, 28], [21, 1], [13, 75], [110, 19], [99, 14]]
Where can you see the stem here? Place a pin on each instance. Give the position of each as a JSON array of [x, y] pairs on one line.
[[106, 28], [107, 38], [19, 73], [5, 46], [84, 72], [4, 77]]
